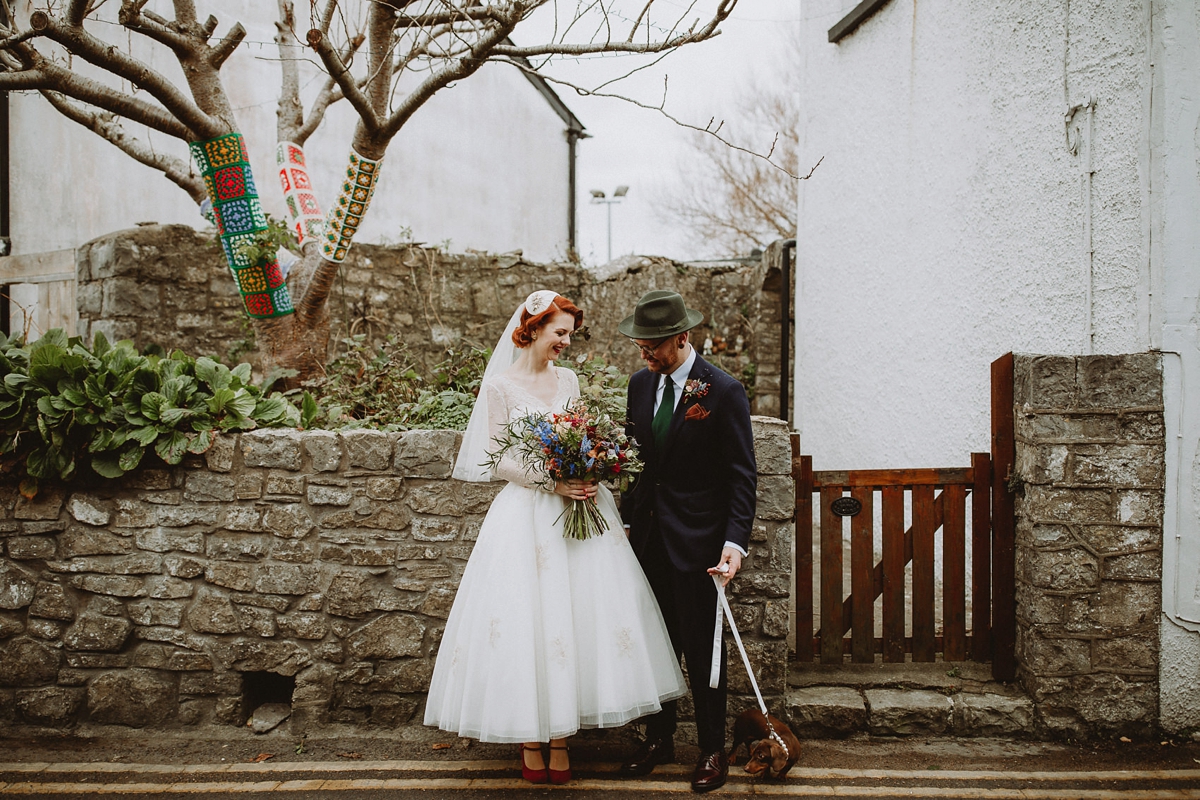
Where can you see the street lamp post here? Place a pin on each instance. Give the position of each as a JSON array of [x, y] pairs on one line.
[[617, 195]]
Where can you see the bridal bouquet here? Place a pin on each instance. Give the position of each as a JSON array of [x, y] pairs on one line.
[[583, 442]]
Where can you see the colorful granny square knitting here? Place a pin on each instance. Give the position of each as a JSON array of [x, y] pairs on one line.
[[225, 167], [260, 305], [251, 280], [302, 206], [233, 249], [362, 176]]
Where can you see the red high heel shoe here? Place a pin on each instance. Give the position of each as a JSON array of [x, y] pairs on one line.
[[558, 776], [532, 775]]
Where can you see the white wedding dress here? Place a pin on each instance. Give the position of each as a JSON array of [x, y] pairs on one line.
[[548, 635]]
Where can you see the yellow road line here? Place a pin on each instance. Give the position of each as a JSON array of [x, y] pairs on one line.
[[797, 774], [788, 789]]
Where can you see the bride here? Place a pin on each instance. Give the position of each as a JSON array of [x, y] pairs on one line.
[[547, 634]]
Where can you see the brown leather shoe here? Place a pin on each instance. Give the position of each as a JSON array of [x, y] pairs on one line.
[[652, 753], [711, 772]]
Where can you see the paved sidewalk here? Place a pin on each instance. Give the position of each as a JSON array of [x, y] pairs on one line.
[[235, 762]]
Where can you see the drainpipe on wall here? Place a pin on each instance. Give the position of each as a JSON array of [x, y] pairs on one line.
[[5, 182], [573, 137], [785, 329], [1087, 171]]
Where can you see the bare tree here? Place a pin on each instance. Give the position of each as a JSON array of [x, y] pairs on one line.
[[404, 52], [730, 200]]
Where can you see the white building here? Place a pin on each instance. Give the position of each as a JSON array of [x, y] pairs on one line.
[[488, 163], [1000, 176]]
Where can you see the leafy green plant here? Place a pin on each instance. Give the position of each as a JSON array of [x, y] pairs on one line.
[[378, 386], [450, 399], [66, 408], [603, 384], [266, 243], [365, 386]]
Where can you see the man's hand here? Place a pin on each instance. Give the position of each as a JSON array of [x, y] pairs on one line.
[[731, 557]]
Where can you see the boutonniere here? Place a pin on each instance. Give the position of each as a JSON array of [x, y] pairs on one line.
[[694, 390], [696, 412]]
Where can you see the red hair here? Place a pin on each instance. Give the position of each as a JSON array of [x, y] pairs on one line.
[[523, 335]]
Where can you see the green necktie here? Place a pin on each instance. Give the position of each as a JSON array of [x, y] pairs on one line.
[[662, 420]]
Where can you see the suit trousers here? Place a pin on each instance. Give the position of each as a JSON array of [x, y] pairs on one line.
[[689, 607]]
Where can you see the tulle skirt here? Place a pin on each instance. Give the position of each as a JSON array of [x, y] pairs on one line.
[[549, 635]]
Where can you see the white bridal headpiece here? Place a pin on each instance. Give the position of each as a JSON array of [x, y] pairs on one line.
[[539, 301], [476, 440]]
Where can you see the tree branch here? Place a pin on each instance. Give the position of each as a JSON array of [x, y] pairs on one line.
[[17, 38], [185, 12], [108, 127], [289, 113], [132, 17], [380, 19], [453, 15], [458, 69], [327, 16], [225, 47], [44, 74], [708, 130], [708, 31], [76, 12], [91, 49], [338, 70], [638, 22], [330, 93]]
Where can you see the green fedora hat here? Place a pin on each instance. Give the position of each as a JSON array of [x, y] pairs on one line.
[[660, 313]]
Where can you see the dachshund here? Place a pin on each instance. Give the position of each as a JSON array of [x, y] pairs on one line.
[[772, 747]]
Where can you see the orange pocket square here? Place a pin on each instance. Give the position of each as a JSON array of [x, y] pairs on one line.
[[697, 412]]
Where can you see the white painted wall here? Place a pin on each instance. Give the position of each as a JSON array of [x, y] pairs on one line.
[[483, 164], [946, 226]]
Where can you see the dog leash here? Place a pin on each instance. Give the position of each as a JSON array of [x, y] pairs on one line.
[[714, 674]]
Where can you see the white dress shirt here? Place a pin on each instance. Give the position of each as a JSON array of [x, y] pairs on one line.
[[680, 375]]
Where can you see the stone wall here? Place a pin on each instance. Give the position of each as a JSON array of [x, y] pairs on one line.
[[1090, 463], [322, 563], [168, 285]]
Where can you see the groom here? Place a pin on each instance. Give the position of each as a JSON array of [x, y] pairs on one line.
[[690, 512]]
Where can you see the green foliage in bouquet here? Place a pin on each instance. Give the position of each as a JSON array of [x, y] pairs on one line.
[[66, 408]]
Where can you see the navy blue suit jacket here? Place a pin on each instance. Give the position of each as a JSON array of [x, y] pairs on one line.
[[699, 490]]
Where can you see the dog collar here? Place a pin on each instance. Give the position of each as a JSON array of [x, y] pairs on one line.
[[778, 739]]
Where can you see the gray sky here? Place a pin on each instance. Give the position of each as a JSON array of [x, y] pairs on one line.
[[641, 148]]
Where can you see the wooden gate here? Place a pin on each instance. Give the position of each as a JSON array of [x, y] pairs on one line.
[[936, 501]]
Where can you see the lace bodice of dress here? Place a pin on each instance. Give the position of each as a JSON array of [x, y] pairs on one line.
[[508, 400]]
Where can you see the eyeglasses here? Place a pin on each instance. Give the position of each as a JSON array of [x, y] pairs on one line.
[[648, 350]]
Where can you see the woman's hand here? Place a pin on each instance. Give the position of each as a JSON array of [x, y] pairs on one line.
[[576, 489]]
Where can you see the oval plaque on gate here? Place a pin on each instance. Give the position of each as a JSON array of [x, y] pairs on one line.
[[846, 506]]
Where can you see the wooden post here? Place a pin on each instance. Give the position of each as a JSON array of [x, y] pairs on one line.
[[862, 573], [831, 578], [923, 648], [802, 474], [981, 558], [894, 559], [954, 573], [1004, 606]]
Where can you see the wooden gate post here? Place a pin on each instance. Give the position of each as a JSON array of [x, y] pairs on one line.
[[1004, 606], [803, 475]]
